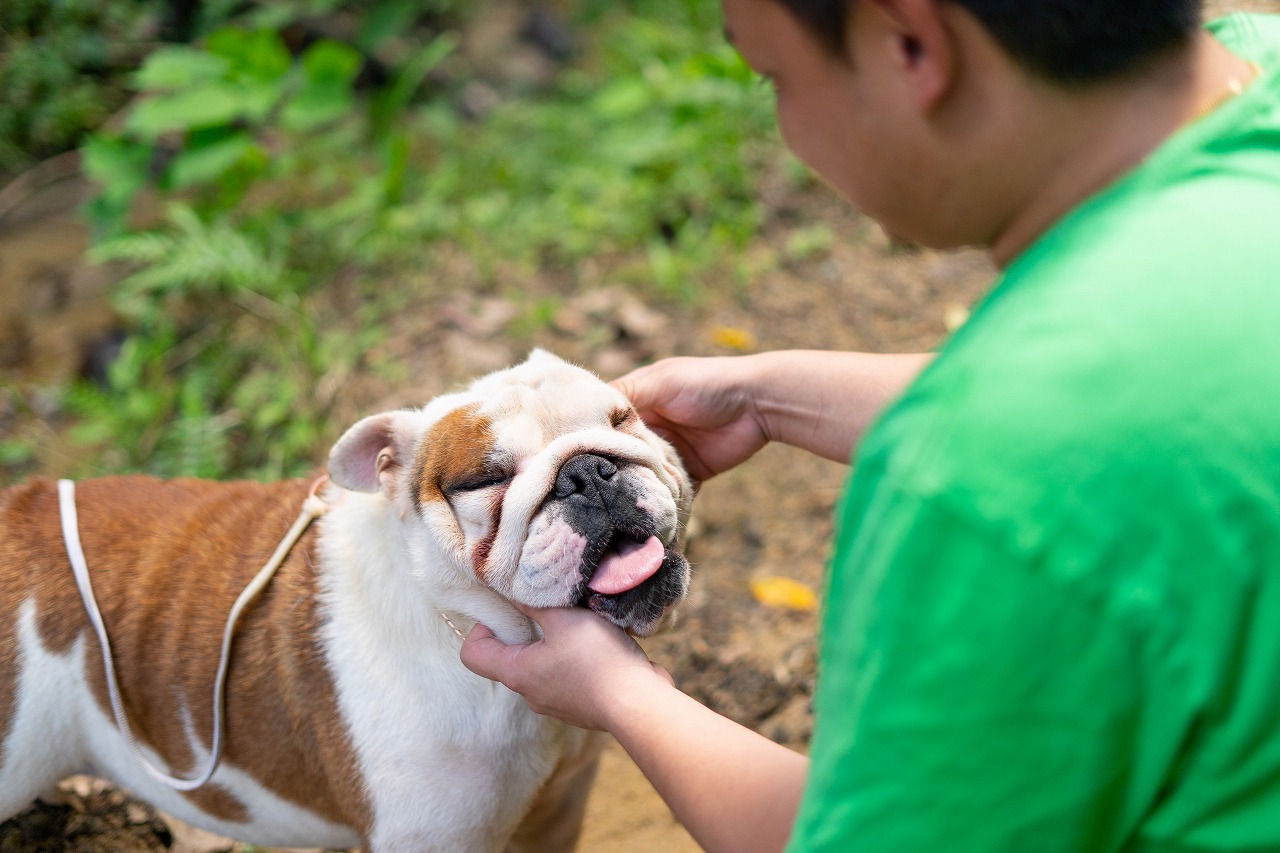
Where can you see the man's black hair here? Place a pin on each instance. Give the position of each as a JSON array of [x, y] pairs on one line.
[[1066, 41]]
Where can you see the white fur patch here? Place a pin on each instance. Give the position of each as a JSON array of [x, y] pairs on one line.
[[44, 743], [452, 759], [551, 562], [59, 729]]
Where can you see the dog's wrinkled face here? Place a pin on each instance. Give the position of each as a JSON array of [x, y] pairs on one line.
[[539, 482]]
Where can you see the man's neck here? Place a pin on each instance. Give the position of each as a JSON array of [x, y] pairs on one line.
[[1107, 132]]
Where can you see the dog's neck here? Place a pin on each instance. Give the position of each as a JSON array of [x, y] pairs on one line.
[[373, 564]]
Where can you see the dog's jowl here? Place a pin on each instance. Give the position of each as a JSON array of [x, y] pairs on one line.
[[349, 718]]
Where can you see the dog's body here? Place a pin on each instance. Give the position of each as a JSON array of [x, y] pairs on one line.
[[350, 718]]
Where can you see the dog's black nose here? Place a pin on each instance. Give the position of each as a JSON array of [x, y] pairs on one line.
[[585, 474]]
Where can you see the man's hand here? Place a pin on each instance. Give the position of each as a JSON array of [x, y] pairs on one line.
[[579, 672], [703, 406], [732, 789], [717, 412]]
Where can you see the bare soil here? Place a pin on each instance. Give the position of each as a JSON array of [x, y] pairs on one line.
[[772, 517]]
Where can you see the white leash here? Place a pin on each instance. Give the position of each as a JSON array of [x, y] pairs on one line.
[[452, 627], [312, 508]]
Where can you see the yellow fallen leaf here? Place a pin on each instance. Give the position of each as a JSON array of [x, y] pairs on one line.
[[739, 339], [954, 316], [784, 593]]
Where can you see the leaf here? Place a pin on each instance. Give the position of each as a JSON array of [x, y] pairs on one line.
[[329, 69], [722, 63], [253, 55], [954, 315], [393, 100], [178, 68], [784, 593], [204, 106], [387, 20], [396, 168], [121, 167], [732, 338], [316, 105], [17, 451], [332, 62], [118, 164], [623, 99], [811, 242], [207, 163]]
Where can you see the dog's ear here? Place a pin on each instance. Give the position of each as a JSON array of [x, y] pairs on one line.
[[369, 455], [540, 356]]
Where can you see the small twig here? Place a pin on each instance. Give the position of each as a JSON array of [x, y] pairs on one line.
[[56, 168], [263, 307]]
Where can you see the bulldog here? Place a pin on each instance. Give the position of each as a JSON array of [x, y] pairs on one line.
[[349, 718]]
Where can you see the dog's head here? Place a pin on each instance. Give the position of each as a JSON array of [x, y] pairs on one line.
[[539, 482]]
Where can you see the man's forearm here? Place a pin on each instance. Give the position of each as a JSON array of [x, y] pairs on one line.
[[734, 790], [824, 401]]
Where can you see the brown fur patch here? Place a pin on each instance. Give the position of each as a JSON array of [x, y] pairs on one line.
[[167, 559], [455, 451], [621, 416], [30, 545], [480, 554]]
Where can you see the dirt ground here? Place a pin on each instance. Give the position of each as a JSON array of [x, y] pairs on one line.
[[772, 517]]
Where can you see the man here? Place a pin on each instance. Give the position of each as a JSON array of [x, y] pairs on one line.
[[1053, 617]]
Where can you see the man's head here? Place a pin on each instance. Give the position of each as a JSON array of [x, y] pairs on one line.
[[1065, 41], [946, 120]]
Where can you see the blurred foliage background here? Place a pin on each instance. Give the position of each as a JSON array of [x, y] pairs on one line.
[[266, 173]]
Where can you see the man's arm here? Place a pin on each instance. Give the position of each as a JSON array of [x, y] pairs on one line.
[[733, 789], [717, 412], [824, 401]]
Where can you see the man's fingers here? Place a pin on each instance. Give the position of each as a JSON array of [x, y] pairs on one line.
[[541, 615], [643, 402], [623, 384], [627, 382], [479, 632], [486, 655]]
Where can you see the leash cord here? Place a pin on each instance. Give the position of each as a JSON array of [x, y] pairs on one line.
[[312, 508]]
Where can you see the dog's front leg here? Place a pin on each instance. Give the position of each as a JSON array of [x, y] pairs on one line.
[[423, 841], [449, 810], [554, 821]]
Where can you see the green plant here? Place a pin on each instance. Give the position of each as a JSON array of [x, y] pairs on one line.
[[61, 70], [222, 370], [654, 153], [226, 352], [280, 176], [203, 124]]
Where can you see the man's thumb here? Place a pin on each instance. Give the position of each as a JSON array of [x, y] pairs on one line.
[[484, 654]]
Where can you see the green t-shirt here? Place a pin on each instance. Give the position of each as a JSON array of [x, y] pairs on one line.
[[1053, 616]]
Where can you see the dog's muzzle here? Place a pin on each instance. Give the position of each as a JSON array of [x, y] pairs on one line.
[[629, 574]]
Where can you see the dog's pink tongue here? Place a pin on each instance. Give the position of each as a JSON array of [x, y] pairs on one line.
[[632, 565]]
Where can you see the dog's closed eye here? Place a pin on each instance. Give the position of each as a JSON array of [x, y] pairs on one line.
[[484, 480], [618, 417]]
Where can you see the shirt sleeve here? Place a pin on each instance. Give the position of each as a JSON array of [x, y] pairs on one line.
[[966, 701]]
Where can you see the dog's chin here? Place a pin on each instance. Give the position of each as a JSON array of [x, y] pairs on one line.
[[640, 611]]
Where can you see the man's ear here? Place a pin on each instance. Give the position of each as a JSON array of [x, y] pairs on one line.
[[923, 47], [370, 454]]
